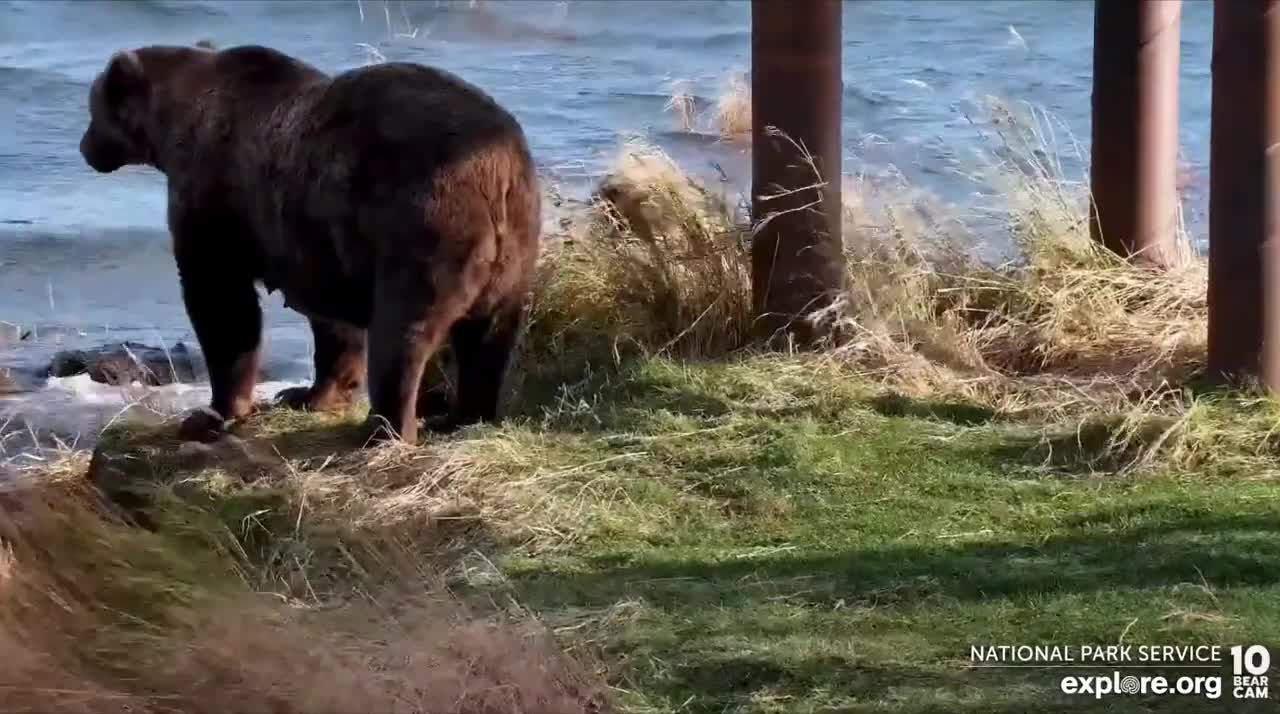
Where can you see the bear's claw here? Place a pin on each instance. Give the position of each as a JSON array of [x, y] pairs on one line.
[[203, 425], [294, 398], [305, 399]]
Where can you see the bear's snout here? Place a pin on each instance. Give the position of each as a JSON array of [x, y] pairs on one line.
[[98, 157]]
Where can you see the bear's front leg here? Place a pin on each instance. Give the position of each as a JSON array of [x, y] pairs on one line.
[[340, 368], [222, 305]]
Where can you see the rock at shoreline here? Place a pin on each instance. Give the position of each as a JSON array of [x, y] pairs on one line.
[[125, 363]]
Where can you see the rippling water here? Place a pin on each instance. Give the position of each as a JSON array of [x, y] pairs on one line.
[[84, 256]]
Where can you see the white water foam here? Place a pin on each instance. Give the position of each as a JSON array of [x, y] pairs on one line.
[[75, 410]]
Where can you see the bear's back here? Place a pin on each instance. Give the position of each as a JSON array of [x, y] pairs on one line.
[[414, 106], [254, 69]]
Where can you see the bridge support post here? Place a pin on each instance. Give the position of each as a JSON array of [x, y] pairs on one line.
[[1244, 250], [797, 256], [1134, 159]]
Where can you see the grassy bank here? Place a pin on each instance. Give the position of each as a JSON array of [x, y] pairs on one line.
[[759, 534], [986, 452]]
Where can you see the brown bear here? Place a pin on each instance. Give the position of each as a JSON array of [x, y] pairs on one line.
[[395, 201]]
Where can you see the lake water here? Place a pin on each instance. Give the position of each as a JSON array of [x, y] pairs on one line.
[[85, 257]]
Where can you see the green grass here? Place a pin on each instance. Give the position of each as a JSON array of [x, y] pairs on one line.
[[769, 534]]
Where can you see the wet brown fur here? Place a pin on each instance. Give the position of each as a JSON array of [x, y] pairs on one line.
[[394, 205]]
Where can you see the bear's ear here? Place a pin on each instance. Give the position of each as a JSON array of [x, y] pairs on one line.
[[123, 76]]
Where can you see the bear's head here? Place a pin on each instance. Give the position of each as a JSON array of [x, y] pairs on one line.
[[118, 105]]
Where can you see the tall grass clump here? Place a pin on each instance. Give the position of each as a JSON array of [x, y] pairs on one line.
[[659, 264], [1055, 324]]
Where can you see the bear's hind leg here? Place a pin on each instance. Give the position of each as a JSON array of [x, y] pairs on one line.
[[406, 330], [339, 365], [429, 282], [483, 347]]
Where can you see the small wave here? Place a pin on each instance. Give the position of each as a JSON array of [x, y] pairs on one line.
[[40, 237], [76, 409], [866, 97], [27, 246], [84, 390], [698, 99], [178, 9], [702, 139], [700, 41], [28, 82]]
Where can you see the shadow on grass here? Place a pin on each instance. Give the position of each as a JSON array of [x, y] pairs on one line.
[[959, 413], [614, 397], [1055, 452], [1109, 445], [704, 605], [1220, 551]]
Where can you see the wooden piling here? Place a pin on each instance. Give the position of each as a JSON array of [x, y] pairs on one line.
[[796, 92], [1244, 254], [1133, 175]]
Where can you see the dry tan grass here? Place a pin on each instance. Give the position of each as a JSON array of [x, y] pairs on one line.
[[1063, 326], [99, 616], [733, 109]]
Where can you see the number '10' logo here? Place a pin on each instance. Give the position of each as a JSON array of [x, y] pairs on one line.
[[1256, 660]]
